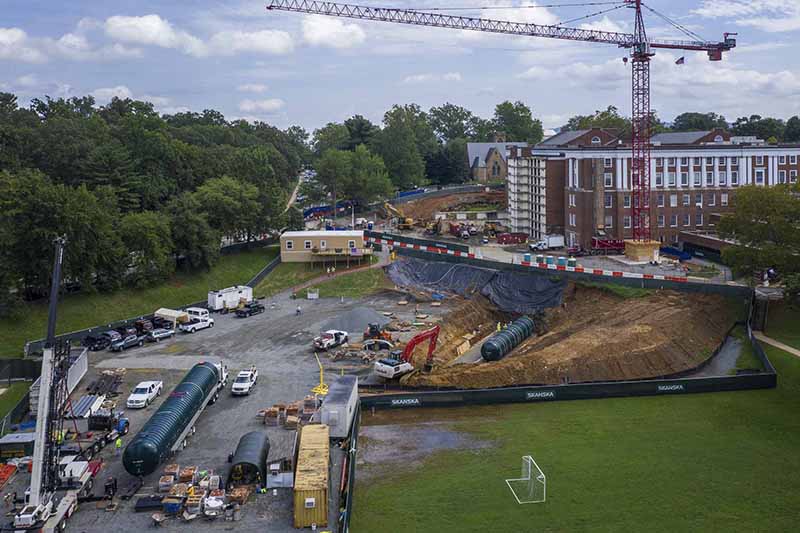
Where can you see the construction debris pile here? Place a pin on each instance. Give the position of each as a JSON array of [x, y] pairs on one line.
[[513, 292]]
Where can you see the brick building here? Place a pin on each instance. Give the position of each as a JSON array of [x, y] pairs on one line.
[[487, 161], [586, 179]]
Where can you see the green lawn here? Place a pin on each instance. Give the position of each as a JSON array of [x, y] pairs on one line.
[[706, 462], [79, 311], [287, 275], [12, 396], [783, 324], [355, 285], [619, 290], [747, 358]]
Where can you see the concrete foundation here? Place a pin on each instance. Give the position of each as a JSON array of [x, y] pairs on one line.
[[643, 251]]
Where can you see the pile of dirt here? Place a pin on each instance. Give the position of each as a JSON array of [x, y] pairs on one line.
[[426, 208], [598, 336]]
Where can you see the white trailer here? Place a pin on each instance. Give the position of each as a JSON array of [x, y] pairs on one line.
[[549, 242], [339, 407], [229, 298]]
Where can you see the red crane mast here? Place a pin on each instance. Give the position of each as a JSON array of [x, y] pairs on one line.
[[637, 42]]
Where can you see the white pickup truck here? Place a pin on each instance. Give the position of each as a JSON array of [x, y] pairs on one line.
[[330, 339], [199, 318], [245, 381]]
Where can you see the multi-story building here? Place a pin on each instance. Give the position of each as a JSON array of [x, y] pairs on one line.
[[588, 190]]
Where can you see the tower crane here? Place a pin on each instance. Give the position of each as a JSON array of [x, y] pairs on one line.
[[640, 46]]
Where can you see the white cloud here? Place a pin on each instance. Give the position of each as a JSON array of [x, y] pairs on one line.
[[104, 95], [29, 80], [16, 45], [264, 42], [326, 31], [252, 88], [431, 78], [269, 105], [155, 31], [766, 15]]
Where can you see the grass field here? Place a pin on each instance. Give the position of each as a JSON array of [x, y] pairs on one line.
[[747, 358], [355, 285], [79, 311], [287, 275], [12, 396], [619, 290], [783, 324], [706, 462]]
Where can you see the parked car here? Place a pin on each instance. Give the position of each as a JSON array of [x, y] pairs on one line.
[[159, 334], [125, 331], [161, 323], [196, 324], [128, 342], [144, 326], [144, 393], [253, 308], [330, 339], [245, 381], [102, 341]]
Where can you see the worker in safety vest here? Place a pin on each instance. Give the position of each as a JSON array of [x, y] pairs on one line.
[[118, 445]]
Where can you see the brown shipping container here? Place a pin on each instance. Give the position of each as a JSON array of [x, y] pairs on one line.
[[311, 477]]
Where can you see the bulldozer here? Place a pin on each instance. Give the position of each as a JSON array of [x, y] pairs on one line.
[[375, 331], [403, 222]]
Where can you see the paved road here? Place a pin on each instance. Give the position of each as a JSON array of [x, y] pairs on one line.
[[778, 344], [293, 197]]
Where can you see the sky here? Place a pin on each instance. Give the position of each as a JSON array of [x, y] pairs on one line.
[[288, 68]]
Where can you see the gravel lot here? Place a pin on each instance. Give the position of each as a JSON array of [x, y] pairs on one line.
[[279, 343]]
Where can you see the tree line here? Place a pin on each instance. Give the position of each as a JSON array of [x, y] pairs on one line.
[[138, 195]]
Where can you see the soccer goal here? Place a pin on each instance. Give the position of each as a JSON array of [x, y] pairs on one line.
[[531, 486]]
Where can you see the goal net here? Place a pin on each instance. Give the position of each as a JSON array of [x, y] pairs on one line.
[[531, 486]]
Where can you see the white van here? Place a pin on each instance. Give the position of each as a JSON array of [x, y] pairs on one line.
[[197, 312]]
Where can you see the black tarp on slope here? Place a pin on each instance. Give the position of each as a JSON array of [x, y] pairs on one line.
[[513, 292]]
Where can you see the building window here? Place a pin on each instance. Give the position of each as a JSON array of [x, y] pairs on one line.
[[697, 161], [673, 221], [595, 140], [659, 161], [781, 176], [723, 178], [626, 221], [671, 161], [723, 199], [760, 175], [793, 159], [712, 200], [660, 199], [687, 199], [684, 161], [697, 179], [698, 219], [609, 201], [675, 238], [722, 160], [659, 179], [660, 221], [687, 219], [671, 179], [782, 160], [734, 160], [572, 200], [323, 244], [608, 162], [734, 177], [698, 199], [609, 221], [673, 200], [289, 245], [495, 169], [626, 201], [307, 245], [759, 160], [572, 219], [351, 244], [608, 180], [709, 178], [792, 176], [709, 160], [684, 179]]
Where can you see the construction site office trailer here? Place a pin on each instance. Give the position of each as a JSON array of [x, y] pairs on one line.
[[339, 406], [311, 477], [230, 297]]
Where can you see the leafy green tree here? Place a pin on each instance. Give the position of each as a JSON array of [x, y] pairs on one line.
[[792, 132], [196, 243], [451, 121], [483, 130], [414, 118], [231, 206], [761, 127], [607, 118], [397, 145], [333, 171], [332, 136], [147, 236], [313, 191], [360, 131], [517, 122], [368, 179], [691, 121], [294, 219], [764, 222]]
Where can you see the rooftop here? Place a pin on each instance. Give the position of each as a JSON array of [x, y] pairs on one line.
[[479, 151], [322, 233], [679, 137]]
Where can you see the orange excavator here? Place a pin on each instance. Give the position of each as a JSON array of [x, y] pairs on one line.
[[400, 362]]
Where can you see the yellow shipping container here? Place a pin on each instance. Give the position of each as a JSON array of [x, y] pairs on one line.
[[311, 477]]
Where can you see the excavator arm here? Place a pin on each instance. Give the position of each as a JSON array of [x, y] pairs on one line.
[[431, 335]]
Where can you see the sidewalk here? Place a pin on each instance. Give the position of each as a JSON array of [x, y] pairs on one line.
[[785, 347]]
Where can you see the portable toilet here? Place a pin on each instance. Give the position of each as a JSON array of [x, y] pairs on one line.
[[562, 261], [572, 262], [550, 260], [539, 259], [527, 258]]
